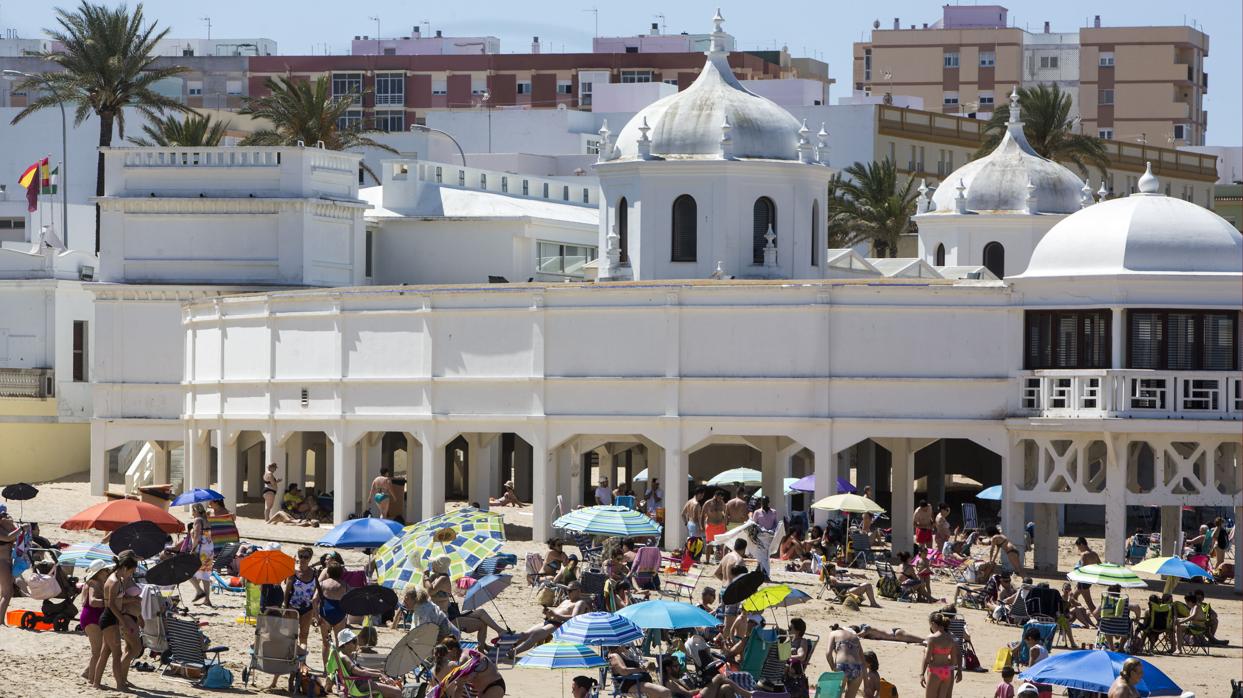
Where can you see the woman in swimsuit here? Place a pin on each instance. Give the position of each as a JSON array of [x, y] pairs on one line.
[[372, 682], [200, 544], [845, 654], [623, 663], [440, 591], [271, 485], [300, 591], [942, 663], [1221, 541], [719, 687], [382, 491], [92, 600], [1000, 544], [328, 612], [8, 535], [118, 613]]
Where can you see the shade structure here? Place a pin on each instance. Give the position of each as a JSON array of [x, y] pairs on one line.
[[643, 476], [608, 521], [366, 532], [991, 493], [787, 487], [196, 495], [411, 650], [484, 590], [465, 551], [747, 476], [1171, 567], [174, 570], [266, 567], [1106, 573], [469, 520], [668, 615], [599, 629], [145, 538], [775, 596], [849, 503], [562, 655], [109, 516], [396, 561], [372, 599], [742, 588], [83, 554], [1095, 670], [19, 492]]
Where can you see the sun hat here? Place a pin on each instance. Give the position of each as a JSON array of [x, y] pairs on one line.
[[345, 637], [96, 567], [441, 564], [1029, 688]]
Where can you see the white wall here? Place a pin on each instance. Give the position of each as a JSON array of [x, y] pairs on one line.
[[36, 331]]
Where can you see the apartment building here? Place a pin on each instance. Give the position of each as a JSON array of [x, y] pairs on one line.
[[419, 44], [1141, 84]]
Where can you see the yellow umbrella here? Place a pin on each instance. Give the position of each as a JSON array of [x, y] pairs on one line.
[[849, 503]]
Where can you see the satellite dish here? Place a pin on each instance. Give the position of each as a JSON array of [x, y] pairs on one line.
[[876, 24]]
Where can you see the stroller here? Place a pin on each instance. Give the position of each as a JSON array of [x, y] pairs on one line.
[[276, 644], [44, 580]]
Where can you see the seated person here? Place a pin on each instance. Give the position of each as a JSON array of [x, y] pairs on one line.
[[1193, 624], [1211, 615], [720, 686], [617, 589], [910, 580], [1158, 620], [508, 498], [554, 558], [800, 646], [625, 661], [575, 604], [361, 680], [844, 584], [296, 509]]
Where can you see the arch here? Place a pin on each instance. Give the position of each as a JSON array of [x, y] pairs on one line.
[[684, 241], [623, 229], [939, 259], [763, 216], [995, 259], [815, 233]]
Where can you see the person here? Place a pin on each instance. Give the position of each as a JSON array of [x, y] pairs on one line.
[[871, 677], [654, 500], [439, 588], [1072, 612], [423, 612], [1221, 541], [765, 516], [624, 661], [300, 591], [1130, 674], [999, 544], [582, 686], [734, 557], [1210, 616], [792, 550], [617, 586], [604, 495], [509, 497], [846, 583], [1194, 623], [295, 509], [944, 532], [271, 487], [1028, 690], [1087, 556], [737, 510], [199, 542], [733, 621], [341, 663], [867, 492], [911, 582], [555, 558], [942, 666], [328, 594], [844, 653], [1035, 650], [867, 632], [713, 512], [575, 604], [445, 655], [120, 615], [1005, 689], [92, 600], [707, 600], [720, 686], [692, 513], [800, 646], [382, 491], [8, 536], [924, 524]]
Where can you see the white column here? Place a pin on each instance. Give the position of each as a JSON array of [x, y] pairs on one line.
[[479, 467], [295, 462], [330, 460], [677, 465], [826, 480], [433, 477], [543, 490], [1238, 552], [902, 470], [254, 472], [414, 479], [1011, 510], [226, 474], [771, 473], [344, 493], [1171, 525], [160, 452], [197, 466], [1045, 556], [1115, 502], [274, 452], [374, 443], [1115, 339], [570, 474], [99, 460]]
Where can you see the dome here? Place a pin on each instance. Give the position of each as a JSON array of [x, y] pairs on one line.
[[998, 182], [1144, 233], [689, 124]]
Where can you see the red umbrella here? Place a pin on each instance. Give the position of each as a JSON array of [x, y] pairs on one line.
[[109, 516]]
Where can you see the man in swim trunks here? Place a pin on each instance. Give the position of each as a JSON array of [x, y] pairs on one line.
[[845, 654], [737, 510], [575, 604], [924, 522], [382, 491], [692, 514], [714, 518]]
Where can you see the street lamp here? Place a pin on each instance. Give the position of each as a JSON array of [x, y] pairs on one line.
[[421, 127], [64, 148]]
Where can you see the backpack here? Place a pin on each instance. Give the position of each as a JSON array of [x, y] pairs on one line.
[[887, 690], [217, 677]]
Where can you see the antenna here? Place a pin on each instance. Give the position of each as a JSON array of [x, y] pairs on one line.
[[208, 21], [595, 11]]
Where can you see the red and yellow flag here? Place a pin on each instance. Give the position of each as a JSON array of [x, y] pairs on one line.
[[35, 178], [31, 173]]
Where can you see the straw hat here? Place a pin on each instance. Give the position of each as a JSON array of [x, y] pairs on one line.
[[441, 565], [96, 567]]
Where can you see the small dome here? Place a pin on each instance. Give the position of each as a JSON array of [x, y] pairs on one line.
[[1144, 233], [998, 182], [689, 124]]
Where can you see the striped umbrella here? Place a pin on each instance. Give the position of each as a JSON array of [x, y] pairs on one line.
[[1172, 567], [608, 521], [83, 554], [464, 553], [598, 629], [1106, 573], [562, 655], [747, 476], [394, 560]]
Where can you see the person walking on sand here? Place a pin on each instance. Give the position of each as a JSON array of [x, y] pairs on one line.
[[382, 491], [92, 600], [271, 487], [198, 541], [120, 615], [845, 654], [328, 612], [924, 522], [8, 535], [942, 666], [1087, 556]]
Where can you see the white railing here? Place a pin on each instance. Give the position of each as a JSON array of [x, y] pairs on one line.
[[384, 100], [27, 382], [231, 156], [581, 191], [1132, 393]]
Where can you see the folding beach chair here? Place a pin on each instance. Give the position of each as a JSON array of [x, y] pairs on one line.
[[587, 550], [275, 650], [219, 583], [1113, 632], [188, 649], [887, 583], [1137, 548], [1159, 628], [830, 684], [969, 520], [860, 550], [1046, 638], [624, 500]]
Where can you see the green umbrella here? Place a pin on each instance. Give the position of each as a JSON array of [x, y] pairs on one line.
[[747, 476], [1108, 574]]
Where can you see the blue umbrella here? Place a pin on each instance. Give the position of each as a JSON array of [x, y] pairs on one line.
[[805, 484], [1095, 670], [366, 532], [196, 495], [599, 629], [608, 521], [562, 655], [843, 485], [668, 615], [486, 589], [993, 493]]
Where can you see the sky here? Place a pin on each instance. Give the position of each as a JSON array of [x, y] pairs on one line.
[[823, 30]]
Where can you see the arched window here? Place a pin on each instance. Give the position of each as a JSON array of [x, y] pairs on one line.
[[995, 259], [763, 216], [939, 261], [815, 233], [684, 241], [623, 233]]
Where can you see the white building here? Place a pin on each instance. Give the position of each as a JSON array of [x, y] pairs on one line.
[[1104, 375]]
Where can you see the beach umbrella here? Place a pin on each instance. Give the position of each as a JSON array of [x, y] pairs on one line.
[[849, 503], [1095, 670], [747, 476], [775, 596], [562, 655], [844, 486], [992, 493], [608, 521], [367, 532], [414, 648], [787, 485], [145, 538], [465, 552], [742, 588], [174, 570], [266, 567], [598, 629], [668, 615], [1106, 573], [486, 589], [371, 600], [1172, 569], [805, 484], [196, 495], [642, 476], [469, 520], [83, 554], [396, 560], [111, 515], [19, 492]]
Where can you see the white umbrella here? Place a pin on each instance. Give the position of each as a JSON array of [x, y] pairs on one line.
[[849, 503], [747, 476]]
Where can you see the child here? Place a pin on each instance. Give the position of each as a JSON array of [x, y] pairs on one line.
[[871, 677], [1005, 689]]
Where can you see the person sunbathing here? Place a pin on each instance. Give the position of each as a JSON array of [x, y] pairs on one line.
[[844, 584], [575, 604], [867, 632], [508, 498]]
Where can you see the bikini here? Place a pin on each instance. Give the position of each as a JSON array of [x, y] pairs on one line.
[[941, 672], [852, 670], [479, 668]]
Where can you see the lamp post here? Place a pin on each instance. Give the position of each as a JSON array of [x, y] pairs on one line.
[[421, 127], [64, 149]]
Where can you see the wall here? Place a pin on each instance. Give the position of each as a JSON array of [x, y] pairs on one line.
[[37, 446]]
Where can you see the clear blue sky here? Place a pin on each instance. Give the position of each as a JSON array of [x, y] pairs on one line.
[[821, 29]]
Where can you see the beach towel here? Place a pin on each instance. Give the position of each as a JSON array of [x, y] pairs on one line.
[[467, 666], [223, 531]]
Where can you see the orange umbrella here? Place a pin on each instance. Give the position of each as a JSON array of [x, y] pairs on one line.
[[266, 567], [109, 516]]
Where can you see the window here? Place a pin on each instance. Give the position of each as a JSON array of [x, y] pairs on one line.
[[1106, 133], [545, 190], [1106, 59], [995, 259], [352, 119], [483, 181], [1105, 97], [685, 239], [526, 187], [1180, 131], [440, 178], [584, 93], [563, 87], [938, 259], [348, 84], [504, 185], [461, 178], [233, 87], [390, 121], [390, 89], [555, 259], [593, 145], [867, 64], [1182, 340], [1048, 62], [586, 195], [986, 99], [565, 192], [623, 230], [194, 88], [988, 59], [949, 98], [524, 87], [440, 86], [763, 217], [815, 233], [632, 49], [80, 338], [1067, 339], [631, 76], [951, 59], [390, 51], [367, 254]]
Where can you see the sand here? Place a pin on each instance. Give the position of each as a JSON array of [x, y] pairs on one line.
[[49, 663]]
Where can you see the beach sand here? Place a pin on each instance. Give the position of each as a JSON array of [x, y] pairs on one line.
[[49, 663]]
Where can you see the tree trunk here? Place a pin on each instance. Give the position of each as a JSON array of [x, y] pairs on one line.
[[106, 119]]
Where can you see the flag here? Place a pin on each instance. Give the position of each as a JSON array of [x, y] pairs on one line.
[[34, 178], [53, 181]]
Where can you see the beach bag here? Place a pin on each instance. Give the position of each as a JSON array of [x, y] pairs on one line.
[[38, 586], [217, 677], [970, 662], [304, 683], [547, 597], [1005, 658], [887, 690]]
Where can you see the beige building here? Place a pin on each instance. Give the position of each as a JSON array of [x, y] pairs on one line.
[[1136, 84]]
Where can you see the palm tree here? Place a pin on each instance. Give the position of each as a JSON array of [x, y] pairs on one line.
[[301, 110], [196, 130], [871, 203], [104, 65], [1049, 129]]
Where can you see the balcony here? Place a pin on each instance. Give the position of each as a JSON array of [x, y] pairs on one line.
[[389, 99], [36, 383], [1132, 393]]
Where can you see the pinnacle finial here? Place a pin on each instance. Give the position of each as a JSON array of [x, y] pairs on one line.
[[604, 128], [1148, 182], [716, 45], [1085, 194], [1102, 193], [1015, 107]]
